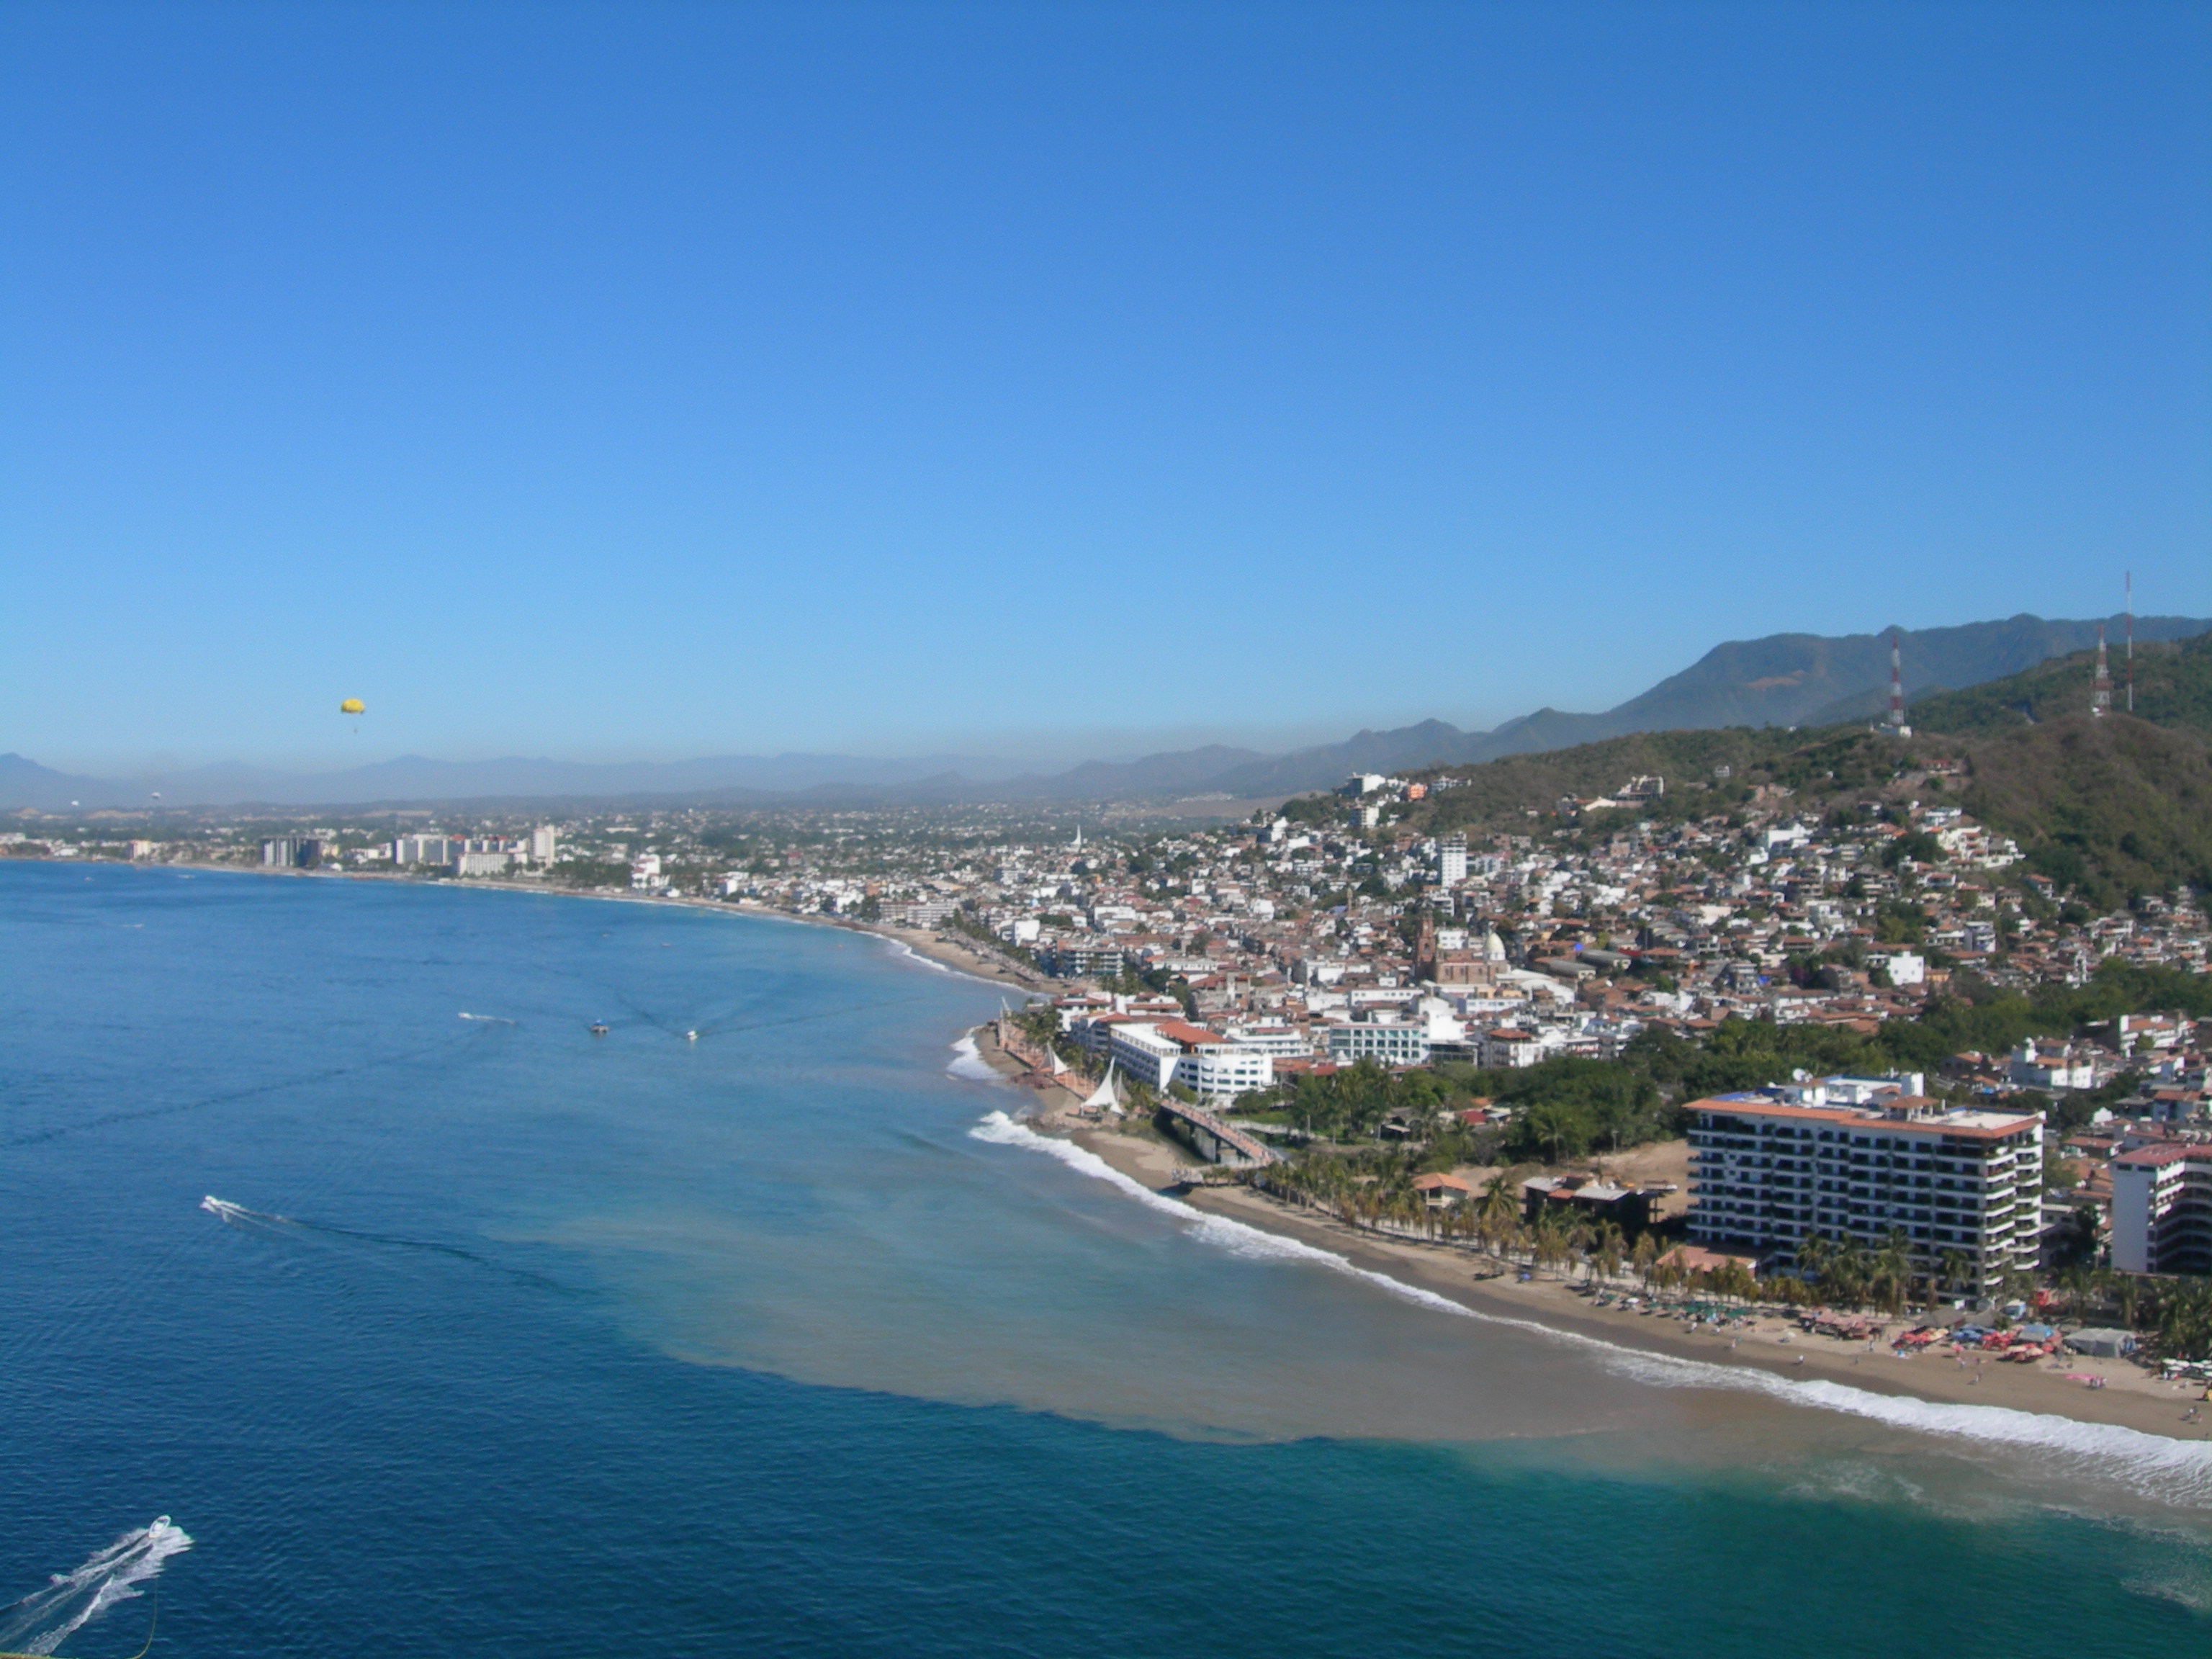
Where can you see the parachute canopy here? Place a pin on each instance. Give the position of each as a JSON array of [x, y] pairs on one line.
[[352, 706]]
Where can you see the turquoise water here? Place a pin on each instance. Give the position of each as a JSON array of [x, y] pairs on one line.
[[778, 1341]]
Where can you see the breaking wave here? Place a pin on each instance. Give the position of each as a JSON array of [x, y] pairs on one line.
[[968, 1062], [901, 948], [42, 1620], [2177, 1472]]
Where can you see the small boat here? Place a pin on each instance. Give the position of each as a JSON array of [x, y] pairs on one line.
[[598, 1028], [690, 1037]]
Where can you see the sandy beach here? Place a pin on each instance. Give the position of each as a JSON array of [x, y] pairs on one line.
[[2129, 1397]]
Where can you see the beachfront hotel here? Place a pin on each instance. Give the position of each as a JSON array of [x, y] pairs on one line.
[[1853, 1160], [2162, 1209]]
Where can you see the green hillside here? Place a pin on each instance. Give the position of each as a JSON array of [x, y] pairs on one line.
[[2112, 806], [2173, 688], [2109, 806]]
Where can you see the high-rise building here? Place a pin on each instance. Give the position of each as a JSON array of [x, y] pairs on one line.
[[1855, 1161], [427, 849], [1451, 860], [542, 844], [2162, 1209]]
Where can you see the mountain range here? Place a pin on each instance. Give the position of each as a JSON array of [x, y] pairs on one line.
[[1782, 679]]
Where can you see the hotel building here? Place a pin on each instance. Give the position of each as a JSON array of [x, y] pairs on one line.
[[2162, 1210], [1771, 1169]]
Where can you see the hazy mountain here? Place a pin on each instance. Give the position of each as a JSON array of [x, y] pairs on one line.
[[26, 783], [1783, 679]]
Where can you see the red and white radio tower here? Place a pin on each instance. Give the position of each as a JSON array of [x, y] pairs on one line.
[[1896, 721], [2131, 641]]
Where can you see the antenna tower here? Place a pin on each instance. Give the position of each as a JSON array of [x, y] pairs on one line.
[[2100, 690], [1896, 720], [2131, 641]]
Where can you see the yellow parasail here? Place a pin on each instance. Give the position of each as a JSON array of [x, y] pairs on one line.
[[352, 706]]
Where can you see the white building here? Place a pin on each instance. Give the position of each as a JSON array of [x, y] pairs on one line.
[[1164, 1052], [544, 844], [2051, 1065], [2162, 1210], [1766, 1175], [1451, 860], [483, 864], [1277, 1041], [1905, 967], [1393, 1041], [1510, 1048], [426, 849]]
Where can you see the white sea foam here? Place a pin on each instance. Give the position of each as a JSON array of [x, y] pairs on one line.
[[42, 1620], [255, 1221], [2177, 1472], [901, 948], [968, 1062], [489, 1019]]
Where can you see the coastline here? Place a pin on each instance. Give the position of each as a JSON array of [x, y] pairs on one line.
[[946, 951], [2130, 1399], [1787, 1357]]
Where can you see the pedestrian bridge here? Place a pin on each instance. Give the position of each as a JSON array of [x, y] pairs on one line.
[[1215, 1141]]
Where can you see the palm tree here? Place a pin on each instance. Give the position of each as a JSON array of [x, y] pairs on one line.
[[1957, 1274], [1580, 1238], [1645, 1252], [2130, 1293], [1610, 1243], [2184, 1320], [1845, 1273], [1501, 1213], [1893, 1272], [1550, 1240]]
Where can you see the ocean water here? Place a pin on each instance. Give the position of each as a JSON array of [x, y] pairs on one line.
[[786, 1338]]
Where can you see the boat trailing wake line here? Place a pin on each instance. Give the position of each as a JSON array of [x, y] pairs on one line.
[[231, 1097], [2177, 1472], [45, 1619], [237, 1215], [285, 1226]]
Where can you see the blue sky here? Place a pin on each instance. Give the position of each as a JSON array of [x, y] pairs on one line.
[[609, 381]]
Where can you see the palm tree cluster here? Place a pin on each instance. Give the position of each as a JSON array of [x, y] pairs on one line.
[[1375, 1191]]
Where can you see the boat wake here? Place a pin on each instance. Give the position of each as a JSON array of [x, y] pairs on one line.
[[42, 1620], [2176, 1471], [237, 1215], [284, 1226], [488, 1020]]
